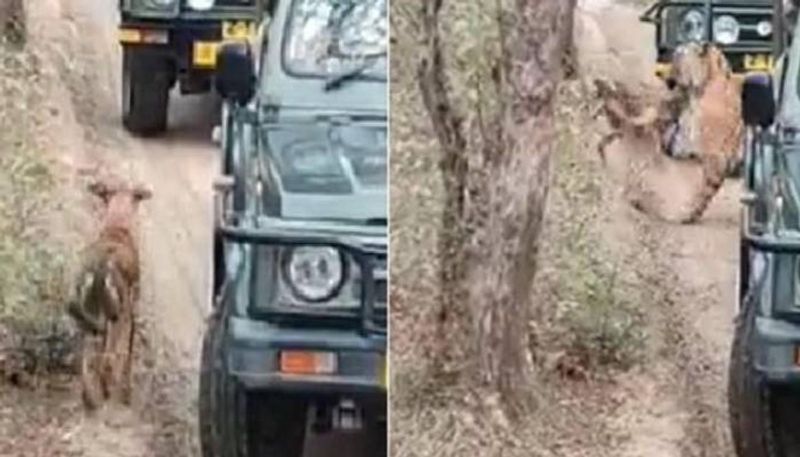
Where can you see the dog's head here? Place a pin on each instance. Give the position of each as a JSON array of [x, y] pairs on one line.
[[118, 196], [695, 64]]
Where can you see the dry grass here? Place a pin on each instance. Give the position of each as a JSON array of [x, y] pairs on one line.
[[587, 324], [32, 265]]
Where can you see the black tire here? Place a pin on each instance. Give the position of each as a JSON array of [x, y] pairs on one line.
[[236, 168], [255, 426], [208, 411], [377, 439], [233, 418], [277, 426], [763, 417], [236, 423], [218, 259], [743, 279], [146, 82]]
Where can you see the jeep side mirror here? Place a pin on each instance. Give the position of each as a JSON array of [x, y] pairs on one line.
[[236, 79], [758, 100]]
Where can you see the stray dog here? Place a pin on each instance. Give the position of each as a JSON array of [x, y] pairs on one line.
[[105, 297]]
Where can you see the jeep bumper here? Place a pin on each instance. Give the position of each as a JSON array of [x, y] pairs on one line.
[[255, 348], [741, 64], [776, 350], [191, 44]]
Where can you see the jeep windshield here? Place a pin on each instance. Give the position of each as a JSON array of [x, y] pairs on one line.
[[322, 158], [329, 38]]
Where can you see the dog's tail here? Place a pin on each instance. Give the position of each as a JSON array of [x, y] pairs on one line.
[[95, 294]]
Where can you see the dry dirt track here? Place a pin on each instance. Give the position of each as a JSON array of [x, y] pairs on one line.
[[175, 227], [676, 406]]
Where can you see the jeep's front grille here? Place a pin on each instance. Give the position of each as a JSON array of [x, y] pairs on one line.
[[234, 2], [381, 292], [748, 19], [225, 3], [380, 289]]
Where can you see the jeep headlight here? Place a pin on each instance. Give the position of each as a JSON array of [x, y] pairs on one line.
[[692, 26], [314, 274], [726, 30], [764, 28], [200, 5]]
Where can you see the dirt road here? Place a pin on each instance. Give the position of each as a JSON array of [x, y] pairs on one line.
[[676, 405], [80, 36]]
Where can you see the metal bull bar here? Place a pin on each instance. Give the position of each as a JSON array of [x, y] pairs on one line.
[[245, 226], [763, 235], [278, 232], [653, 13]]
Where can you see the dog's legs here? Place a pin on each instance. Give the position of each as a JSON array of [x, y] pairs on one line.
[[109, 358], [91, 388], [112, 285], [127, 387]]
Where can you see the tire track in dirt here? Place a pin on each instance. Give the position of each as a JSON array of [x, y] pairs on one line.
[[676, 404], [694, 267]]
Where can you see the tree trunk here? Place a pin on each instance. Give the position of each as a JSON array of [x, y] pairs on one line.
[[12, 21], [495, 195]]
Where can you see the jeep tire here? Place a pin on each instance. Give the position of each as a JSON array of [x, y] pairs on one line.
[[763, 417], [377, 438], [236, 423], [277, 425], [256, 425], [207, 404], [146, 81]]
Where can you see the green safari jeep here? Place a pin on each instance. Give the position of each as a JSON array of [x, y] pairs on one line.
[[169, 41], [297, 337], [743, 29], [764, 378]]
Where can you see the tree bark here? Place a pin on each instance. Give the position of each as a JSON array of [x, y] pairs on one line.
[[12, 21], [495, 196]]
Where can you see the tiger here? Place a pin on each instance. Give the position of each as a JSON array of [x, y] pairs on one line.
[[699, 118]]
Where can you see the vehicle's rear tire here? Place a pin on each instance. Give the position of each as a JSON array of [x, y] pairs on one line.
[[763, 417], [146, 81]]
